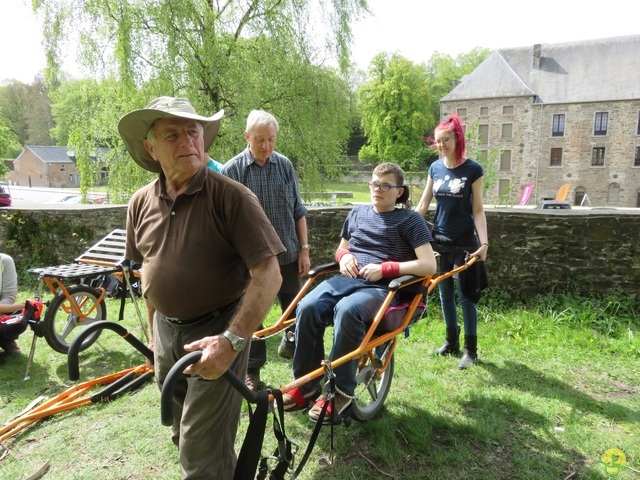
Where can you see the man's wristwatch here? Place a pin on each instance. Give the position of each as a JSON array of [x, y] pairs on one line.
[[237, 343], [305, 246]]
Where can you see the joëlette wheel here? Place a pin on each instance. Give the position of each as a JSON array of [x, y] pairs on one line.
[[62, 323]]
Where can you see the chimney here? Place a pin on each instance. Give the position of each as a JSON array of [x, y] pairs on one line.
[[537, 48]]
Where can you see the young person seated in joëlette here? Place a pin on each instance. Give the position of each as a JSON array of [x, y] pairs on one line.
[[379, 242]]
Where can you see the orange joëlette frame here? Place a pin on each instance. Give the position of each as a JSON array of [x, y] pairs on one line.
[[368, 342], [55, 284], [67, 400]]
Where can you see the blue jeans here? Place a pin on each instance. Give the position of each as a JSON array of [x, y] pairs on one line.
[[450, 312], [348, 304]]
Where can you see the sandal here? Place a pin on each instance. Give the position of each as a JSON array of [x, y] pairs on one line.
[[342, 404], [295, 399]]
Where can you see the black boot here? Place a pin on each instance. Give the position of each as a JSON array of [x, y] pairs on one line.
[[451, 344], [470, 356]]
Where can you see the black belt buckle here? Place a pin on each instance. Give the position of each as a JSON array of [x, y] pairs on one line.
[[188, 321]]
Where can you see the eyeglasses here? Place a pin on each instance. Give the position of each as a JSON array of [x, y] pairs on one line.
[[383, 187], [444, 141]]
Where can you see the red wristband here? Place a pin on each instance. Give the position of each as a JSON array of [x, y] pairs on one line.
[[390, 269], [341, 253]]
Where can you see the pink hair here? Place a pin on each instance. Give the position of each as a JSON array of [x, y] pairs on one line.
[[453, 125]]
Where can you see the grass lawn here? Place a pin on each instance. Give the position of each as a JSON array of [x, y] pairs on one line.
[[361, 193], [557, 387]]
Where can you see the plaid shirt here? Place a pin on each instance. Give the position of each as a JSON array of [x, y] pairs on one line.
[[276, 186]]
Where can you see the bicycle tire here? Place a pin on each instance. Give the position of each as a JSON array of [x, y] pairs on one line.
[[373, 385], [61, 324]]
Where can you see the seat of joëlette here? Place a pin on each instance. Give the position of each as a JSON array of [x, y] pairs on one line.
[[104, 257]]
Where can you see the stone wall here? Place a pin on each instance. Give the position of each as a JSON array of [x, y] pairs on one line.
[[531, 251]]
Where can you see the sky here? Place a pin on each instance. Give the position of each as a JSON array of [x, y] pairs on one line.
[[415, 29]]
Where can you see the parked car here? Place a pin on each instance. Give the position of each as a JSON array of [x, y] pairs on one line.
[[554, 205], [5, 195], [91, 199]]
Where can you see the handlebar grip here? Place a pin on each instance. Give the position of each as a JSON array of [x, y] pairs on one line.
[[166, 396], [74, 349]]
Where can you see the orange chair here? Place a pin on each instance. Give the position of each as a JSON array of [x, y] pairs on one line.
[[563, 191]]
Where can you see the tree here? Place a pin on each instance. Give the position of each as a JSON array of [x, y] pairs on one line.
[[38, 118], [86, 114], [395, 111], [445, 71], [9, 146], [235, 55], [26, 111]]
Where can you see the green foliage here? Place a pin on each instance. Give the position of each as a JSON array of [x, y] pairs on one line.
[[9, 147], [395, 111], [610, 315], [26, 111], [444, 71], [28, 239], [87, 114], [235, 56], [400, 103]]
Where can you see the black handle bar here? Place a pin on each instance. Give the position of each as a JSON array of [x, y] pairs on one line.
[[74, 349], [166, 405]]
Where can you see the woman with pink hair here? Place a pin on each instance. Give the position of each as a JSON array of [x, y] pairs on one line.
[[456, 183]]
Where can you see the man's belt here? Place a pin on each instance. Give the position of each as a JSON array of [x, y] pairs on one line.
[[205, 316], [188, 321]]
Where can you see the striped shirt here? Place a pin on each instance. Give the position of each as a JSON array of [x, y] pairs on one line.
[[386, 236]]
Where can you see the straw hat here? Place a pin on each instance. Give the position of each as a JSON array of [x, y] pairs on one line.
[[134, 126]]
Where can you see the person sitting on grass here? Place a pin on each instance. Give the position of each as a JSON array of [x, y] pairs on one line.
[[379, 242], [8, 293]]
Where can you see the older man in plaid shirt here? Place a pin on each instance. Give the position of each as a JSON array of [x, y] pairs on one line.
[[272, 178]]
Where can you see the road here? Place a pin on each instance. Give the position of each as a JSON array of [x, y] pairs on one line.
[[29, 197]]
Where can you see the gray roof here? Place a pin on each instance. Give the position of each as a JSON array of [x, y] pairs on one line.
[[59, 154], [51, 154], [593, 70]]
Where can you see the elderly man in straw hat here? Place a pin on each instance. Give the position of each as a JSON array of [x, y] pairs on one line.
[[208, 252]]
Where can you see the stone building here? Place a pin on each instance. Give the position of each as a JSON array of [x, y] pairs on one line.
[[55, 167], [556, 114]]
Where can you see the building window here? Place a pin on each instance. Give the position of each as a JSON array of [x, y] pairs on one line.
[[485, 111], [638, 123], [483, 134], [636, 161], [597, 157], [507, 131], [504, 187], [507, 110], [505, 160], [638, 200], [557, 130], [461, 112], [600, 127], [556, 157]]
